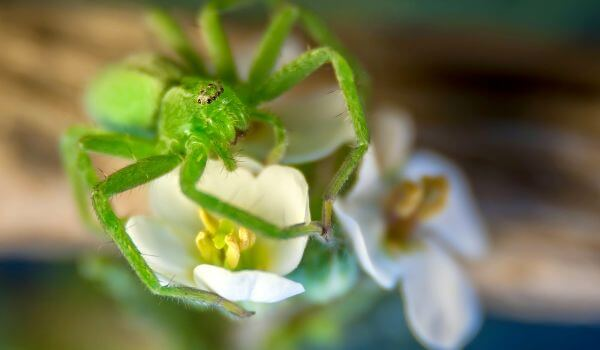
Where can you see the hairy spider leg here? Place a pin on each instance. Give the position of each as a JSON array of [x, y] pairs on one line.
[[217, 44], [296, 71], [131, 176], [280, 28], [74, 147]]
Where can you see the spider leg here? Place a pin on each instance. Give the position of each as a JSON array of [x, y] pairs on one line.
[[271, 43], [131, 176], [166, 28], [74, 147], [281, 140], [216, 42], [191, 172], [279, 29], [296, 71]]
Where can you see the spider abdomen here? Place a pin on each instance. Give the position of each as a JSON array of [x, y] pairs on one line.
[[126, 96]]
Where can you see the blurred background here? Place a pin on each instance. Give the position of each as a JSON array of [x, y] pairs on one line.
[[509, 89]]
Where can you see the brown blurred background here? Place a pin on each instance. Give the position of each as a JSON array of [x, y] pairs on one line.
[[511, 90]]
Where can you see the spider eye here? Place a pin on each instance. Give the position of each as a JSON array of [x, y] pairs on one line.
[[210, 93]]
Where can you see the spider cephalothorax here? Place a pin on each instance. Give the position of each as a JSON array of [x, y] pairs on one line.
[[202, 110], [163, 114]]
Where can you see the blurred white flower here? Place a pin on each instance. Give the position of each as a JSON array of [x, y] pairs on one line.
[[404, 216], [186, 245]]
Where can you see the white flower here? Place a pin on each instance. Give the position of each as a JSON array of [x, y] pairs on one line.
[[186, 245], [404, 216]]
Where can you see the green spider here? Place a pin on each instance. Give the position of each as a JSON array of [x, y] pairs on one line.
[[162, 114]]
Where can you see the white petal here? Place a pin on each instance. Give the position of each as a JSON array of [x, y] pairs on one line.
[[253, 286], [393, 135], [167, 254], [234, 187], [365, 228], [440, 305], [282, 196], [169, 204], [283, 200], [460, 224], [317, 124]]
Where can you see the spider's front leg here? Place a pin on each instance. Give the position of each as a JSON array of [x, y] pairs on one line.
[[296, 71], [134, 175], [280, 28], [75, 145]]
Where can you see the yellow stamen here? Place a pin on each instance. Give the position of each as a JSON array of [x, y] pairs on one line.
[[222, 241], [208, 221], [246, 238], [436, 189], [206, 247], [232, 252], [411, 202], [411, 196]]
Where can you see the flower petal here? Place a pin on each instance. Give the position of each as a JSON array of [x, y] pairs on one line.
[[365, 227], [250, 285], [169, 204], [393, 135], [317, 124], [234, 187], [167, 254], [441, 306], [283, 196], [284, 202], [459, 225]]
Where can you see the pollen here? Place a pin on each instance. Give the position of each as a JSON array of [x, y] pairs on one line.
[[222, 242]]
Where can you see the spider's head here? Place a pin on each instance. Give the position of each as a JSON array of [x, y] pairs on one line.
[[206, 107]]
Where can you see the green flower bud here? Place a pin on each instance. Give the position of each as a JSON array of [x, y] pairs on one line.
[[326, 272]]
